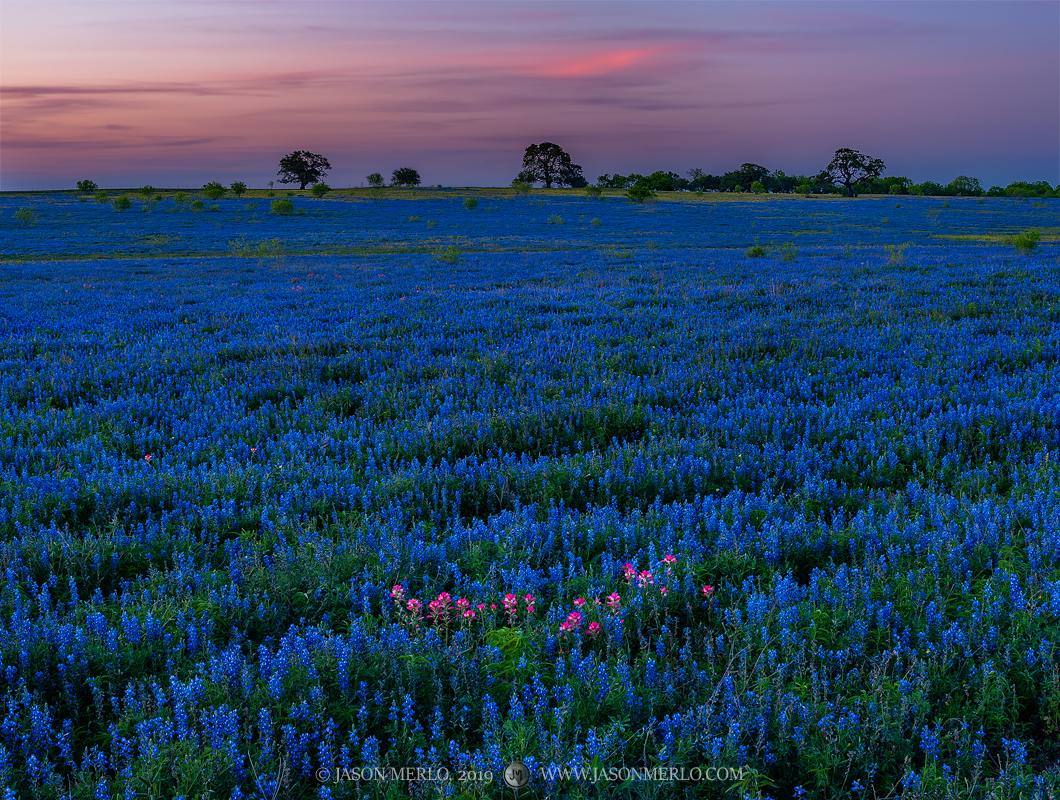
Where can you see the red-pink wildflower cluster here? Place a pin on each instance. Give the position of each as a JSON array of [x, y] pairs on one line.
[[442, 610]]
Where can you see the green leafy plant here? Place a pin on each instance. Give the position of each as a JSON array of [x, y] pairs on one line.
[[282, 207], [214, 207], [27, 216], [180, 197], [238, 188], [147, 190], [376, 193], [87, 186], [470, 203], [803, 188], [787, 251], [757, 187], [449, 255], [522, 188], [757, 251], [375, 180], [639, 193], [272, 193], [213, 190], [122, 203], [595, 221], [196, 204], [555, 219], [320, 189], [414, 218], [102, 197], [594, 192], [896, 255], [1025, 242]]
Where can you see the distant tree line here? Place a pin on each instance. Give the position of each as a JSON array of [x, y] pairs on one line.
[[756, 178]]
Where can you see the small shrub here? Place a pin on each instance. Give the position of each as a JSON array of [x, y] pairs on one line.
[[1025, 242], [555, 219], [320, 189], [27, 216], [757, 187], [698, 192], [251, 206], [196, 204], [595, 221], [787, 251], [376, 193], [449, 255], [638, 194], [282, 207], [521, 187], [756, 252], [414, 218], [896, 255], [238, 188], [431, 223], [213, 190], [803, 188], [122, 203], [214, 207], [272, 194], [180, 197], [87, 186], [594, 192], [102, 197], [290, 194], [470, 203], [375, 180], [147, 190]]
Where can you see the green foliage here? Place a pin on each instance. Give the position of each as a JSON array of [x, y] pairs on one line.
[[1025, 242], [196, 204], [470, 203], [521, 187], [213, 190], [757, 187], [27, 216], [271, 193], [213, 207], [282, 207], [102, 197], [122, 203], [555, 219], [87, 186], [639, 193], [180, 197], [405, 176], [594, 192], [757, 251], [896, 255], [376, 193], [238, 188], [320, 189], [450, 255], [787, 251], [595, 221], [375, 180], [147, 190]]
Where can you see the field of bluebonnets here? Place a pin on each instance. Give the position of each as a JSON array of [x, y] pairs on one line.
[[401, 483]]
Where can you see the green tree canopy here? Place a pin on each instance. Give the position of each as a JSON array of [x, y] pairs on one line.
[[405, 176]]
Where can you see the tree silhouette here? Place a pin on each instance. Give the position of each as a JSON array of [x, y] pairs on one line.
[[847, 167], [302, 167], [405, 176], [549, 163]]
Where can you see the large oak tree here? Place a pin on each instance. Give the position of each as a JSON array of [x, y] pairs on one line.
[[847, 167], [549, 163], [303, 167]]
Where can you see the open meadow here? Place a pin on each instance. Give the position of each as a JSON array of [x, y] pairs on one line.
[[289, 496]]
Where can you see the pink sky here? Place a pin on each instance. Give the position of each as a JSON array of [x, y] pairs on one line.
[[180, 93]]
